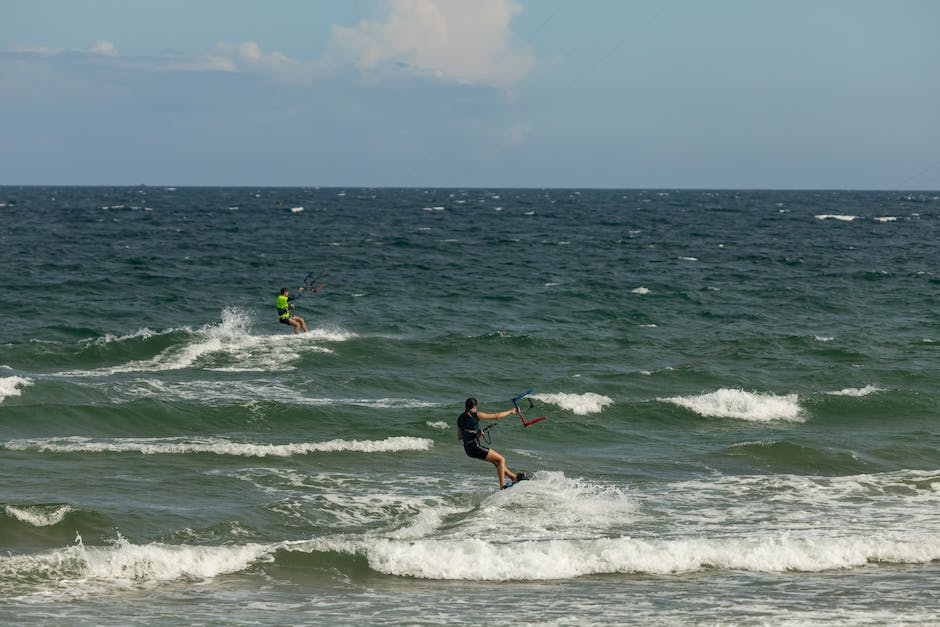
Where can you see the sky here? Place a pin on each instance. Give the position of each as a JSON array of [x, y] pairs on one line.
[[724, 94]]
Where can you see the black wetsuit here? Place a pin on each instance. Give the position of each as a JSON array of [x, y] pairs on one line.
[[469, 426]]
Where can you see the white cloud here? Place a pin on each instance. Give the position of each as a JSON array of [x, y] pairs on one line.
[[104, 48], [242, 58], [455, 41], [452, 40]]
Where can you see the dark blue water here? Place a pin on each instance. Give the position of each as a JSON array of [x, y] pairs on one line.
[[740, 390]]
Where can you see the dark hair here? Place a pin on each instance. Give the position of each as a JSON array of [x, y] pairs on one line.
[[283, 289], [470, 404]]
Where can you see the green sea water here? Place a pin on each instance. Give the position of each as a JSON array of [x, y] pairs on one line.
[[741, 391]]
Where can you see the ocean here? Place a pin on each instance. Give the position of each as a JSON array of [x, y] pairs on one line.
[[740, 389]]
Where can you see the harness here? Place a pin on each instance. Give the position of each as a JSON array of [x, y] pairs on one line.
[[283, 307], [474, 434]]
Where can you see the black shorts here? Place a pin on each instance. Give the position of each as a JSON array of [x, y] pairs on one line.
[[285, 320], [473, 448]]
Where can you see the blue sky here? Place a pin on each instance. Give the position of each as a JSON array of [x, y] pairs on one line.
[[484, 93]]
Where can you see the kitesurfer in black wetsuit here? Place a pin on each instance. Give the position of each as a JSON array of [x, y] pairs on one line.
[[468, 430]]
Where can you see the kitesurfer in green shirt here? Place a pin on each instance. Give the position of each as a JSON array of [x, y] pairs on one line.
[[284, 315]]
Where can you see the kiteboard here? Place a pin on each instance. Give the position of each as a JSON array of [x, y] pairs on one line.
[[520, 476]]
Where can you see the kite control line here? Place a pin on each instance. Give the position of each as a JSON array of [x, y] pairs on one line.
[[515, 402]]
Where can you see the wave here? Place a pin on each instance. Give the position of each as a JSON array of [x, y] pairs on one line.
[[222, 393], [477, 560], [857, 392], [126, 564], [80, 570], [228, 347], [38, 515], [12, 386], [572, 537], [741, 405], [580, 404], [214, 446], [791, 457], [143, 333]]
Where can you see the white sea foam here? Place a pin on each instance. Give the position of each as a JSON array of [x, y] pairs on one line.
[[823, 338], [216, 446], [734, 403], [580, 404], [229, 347], [296, 209], [229, 392], [640, 290], [551, 505], [474, 559], [12, 386], [140, 333], [126, 564], [858, 392], [440, 424], [39, 515]]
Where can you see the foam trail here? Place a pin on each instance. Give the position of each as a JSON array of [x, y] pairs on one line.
[[732, 403], [216, 446]]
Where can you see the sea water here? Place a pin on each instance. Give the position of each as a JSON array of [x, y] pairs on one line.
[[741, 391]]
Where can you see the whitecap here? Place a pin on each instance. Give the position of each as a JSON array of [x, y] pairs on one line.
[[12, 386], [475, 559], [109, 338], [230, 342], [580, 404], [78, 568], [734, 403], [857, 392], [39, 515], [216, 446], [835, 216]]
